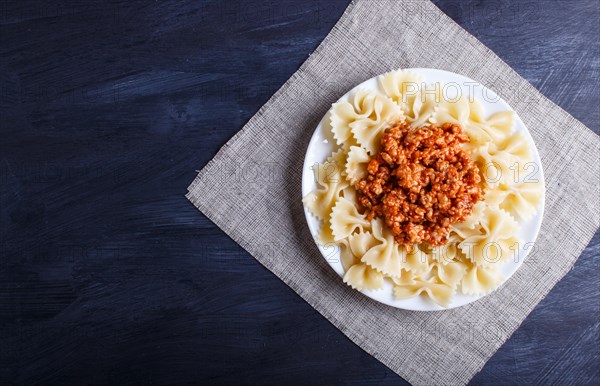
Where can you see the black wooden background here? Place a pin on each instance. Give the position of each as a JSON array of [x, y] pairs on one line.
[[109, 275]]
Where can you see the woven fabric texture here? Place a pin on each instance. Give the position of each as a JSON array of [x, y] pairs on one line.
[[252, 190]]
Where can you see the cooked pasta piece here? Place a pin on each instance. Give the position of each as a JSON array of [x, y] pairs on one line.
[[356, 165], [364, 119], [386, 257], [491, 242], [473, 220], [461, 110], [520, 200], [516, 145], [347, 258], [363, 277], [504, 162], [349, 193], [499, 125], [345, 219], [469, 114], [481, 280], [406, 277], [420, 107], [450, 274], [417, 261], [342, 114], [449, 252], [495, 166], [330, 182], [361, 242], [438, 292], [357, 274], [368, 132], [417, 100], [400, 84]]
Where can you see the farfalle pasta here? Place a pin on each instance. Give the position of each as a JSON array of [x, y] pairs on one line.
[[520, 200], [350, 199], [345, 219], [363, 119], [385, 256], [356, 163], [469, 114], [400, 85], [491, 240], [359, 275], [480, 280], [331, 183], [439, 292]]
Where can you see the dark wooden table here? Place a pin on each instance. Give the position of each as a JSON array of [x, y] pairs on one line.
[[108, 275]]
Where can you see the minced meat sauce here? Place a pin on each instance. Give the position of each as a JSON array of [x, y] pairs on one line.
[[420, 183]]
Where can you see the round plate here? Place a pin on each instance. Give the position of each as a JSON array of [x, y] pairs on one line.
[[322, 144]]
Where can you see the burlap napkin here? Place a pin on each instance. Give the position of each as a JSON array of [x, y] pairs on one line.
[[251, 190]]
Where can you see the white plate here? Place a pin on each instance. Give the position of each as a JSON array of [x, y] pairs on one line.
[[320, 147]]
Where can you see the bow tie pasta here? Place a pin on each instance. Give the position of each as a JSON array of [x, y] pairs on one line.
[[470, 257]]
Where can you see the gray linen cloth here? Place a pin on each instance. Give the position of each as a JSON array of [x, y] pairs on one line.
[[251, 190]]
